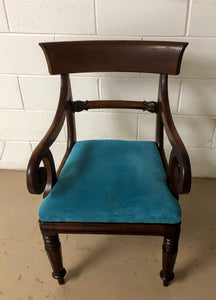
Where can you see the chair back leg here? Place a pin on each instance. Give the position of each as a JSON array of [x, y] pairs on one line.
[[53, 250]]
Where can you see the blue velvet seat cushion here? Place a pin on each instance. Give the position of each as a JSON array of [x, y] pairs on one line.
[[112, 181]]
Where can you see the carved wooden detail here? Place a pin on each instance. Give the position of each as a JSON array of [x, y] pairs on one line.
[[170, 249], [78, 106], [150, 106], [53, 250]]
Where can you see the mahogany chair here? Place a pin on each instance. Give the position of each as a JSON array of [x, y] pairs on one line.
[[111, 186]]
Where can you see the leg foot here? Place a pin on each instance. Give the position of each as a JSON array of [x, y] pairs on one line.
[[53, 250], [166, 279], [170, 249], [61, 281], [59, 276]]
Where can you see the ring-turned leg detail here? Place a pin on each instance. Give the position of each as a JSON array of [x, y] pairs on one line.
[[170, 249], [53, 250]]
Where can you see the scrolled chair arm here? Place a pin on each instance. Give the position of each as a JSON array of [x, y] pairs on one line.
[[179, 169], [43, 178], [179, 172]]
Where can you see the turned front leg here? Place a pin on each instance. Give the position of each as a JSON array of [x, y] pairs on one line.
[[53, 250], [170, 249]]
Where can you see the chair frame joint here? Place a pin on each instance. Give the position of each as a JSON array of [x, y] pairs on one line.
[[78, 106], [150, 106]]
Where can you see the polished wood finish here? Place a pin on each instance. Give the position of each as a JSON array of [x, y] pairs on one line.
[[179, 170], [42, 179], [170, 249], [110, 228], [134, 56], [53, 250], [114, 56], [78, 106]]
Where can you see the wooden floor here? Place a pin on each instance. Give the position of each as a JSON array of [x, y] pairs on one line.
[[101, 266]]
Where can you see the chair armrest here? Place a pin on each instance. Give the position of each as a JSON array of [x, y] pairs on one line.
[[42, 179], [179, 169]]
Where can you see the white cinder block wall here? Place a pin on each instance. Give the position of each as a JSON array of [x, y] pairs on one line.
[[28, 95]]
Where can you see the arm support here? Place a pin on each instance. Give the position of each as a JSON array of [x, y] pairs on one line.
[[41, 179], [178, 170]]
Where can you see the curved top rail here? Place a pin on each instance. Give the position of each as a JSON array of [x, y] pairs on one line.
[[160, 57]]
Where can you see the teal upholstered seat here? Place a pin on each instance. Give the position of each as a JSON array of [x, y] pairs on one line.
[[112, 181]]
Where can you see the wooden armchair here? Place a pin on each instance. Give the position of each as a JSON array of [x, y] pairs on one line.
[[111, 186]]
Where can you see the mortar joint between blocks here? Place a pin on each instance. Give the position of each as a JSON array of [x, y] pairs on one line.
[[20, 91], [179, 96], [213, 135], [6, 15], [188, 17], [3, 148]]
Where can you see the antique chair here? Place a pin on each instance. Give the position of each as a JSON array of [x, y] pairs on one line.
[[111, 186]]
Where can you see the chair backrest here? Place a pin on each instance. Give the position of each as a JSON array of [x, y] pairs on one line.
[[159, 57], [114, 56]]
